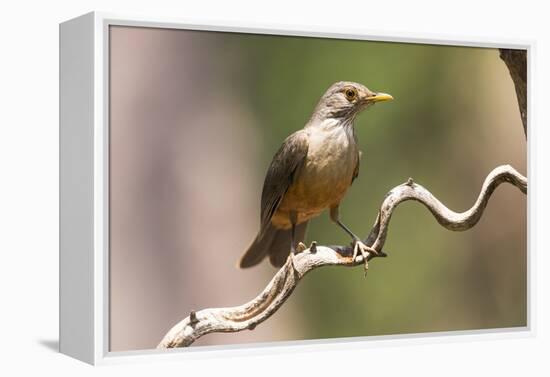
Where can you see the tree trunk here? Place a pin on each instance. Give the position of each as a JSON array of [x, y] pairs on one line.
[[516, 61]]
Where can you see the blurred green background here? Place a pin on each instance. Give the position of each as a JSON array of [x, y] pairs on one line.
[[223, 103]]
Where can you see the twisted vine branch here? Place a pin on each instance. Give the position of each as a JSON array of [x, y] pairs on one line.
[[254, 312]]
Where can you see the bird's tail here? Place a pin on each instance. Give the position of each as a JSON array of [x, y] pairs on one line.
[[273, 242]]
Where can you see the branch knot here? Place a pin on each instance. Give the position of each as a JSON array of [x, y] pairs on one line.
[[193, 320]]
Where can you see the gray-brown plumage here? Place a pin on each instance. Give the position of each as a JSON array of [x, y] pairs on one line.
[[311, 172]]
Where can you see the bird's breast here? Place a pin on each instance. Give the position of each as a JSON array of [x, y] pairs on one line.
[[325, 176]]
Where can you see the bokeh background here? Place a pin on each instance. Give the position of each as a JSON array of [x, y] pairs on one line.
[[195, 118]]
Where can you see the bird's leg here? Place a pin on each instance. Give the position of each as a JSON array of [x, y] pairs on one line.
[[358, 245], [292, 235], [294, 249], [293, 220]]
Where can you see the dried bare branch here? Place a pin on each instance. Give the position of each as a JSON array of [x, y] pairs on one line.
[[254, 312]]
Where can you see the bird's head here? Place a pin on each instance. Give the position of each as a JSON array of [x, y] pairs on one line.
[[345, 99]]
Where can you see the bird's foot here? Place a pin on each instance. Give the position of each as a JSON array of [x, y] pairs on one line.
[[291, 257], [300, 247], [360, 247], [294, 251]]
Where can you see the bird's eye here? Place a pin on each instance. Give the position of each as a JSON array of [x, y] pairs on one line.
[[351, 94]]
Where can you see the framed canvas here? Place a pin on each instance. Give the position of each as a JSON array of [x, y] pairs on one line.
[[193, 158]]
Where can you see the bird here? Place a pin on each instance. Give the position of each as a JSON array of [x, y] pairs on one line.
[[311, 172]]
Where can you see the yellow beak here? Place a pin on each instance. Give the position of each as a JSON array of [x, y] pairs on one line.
[[380, 97]]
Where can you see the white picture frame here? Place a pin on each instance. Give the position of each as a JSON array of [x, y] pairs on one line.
[[84, 200]]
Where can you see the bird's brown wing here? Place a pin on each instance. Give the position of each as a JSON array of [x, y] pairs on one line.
[[281, 173], [356, 170]]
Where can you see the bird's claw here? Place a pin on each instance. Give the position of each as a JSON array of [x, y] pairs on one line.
[[360, 247], [300, 247]]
